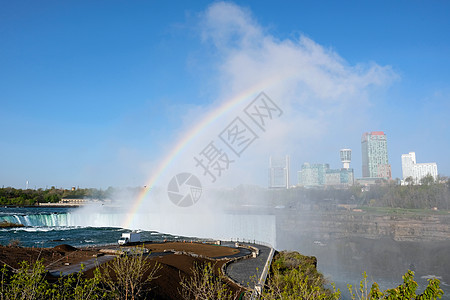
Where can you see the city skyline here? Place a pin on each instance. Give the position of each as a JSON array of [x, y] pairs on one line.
[[95, 95]]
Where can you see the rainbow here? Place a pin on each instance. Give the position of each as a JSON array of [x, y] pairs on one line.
[[182, 143]]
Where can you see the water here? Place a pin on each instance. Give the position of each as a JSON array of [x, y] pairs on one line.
[[49, 227], [343, 258]]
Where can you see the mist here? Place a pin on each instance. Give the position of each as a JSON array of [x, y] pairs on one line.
[[309, 90]]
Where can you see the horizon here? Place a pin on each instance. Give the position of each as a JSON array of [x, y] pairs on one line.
[[97, 95]]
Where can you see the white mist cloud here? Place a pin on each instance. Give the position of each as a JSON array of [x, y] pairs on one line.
[[323, 98], [321, 94]]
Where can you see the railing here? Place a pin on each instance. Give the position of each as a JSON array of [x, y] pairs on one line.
[[257, 291], [249, 241]]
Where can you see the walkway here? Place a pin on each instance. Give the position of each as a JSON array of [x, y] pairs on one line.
[[248, 271], [88, 264], [93, 263], [242, 251]]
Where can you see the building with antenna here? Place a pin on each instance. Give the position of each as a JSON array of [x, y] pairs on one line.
[[346, 158], [316, 175]]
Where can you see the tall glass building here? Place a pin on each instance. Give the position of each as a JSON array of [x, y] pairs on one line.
[[279, 172], [315, 175], [375, 156], [312, 174]]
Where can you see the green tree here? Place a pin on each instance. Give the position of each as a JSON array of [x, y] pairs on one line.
[[407, 290], [28, 283], [75, 286], [409, 180], [427, 180], [294, 276]]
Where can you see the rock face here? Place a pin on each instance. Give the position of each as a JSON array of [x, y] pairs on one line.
[[385, 245], [6, 224], [341, 224]]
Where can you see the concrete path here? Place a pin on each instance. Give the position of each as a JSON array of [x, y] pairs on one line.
[[248, 271], [92, 263], [242, 251], [88, 264]]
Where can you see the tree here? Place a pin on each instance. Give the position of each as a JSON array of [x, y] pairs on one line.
[[427, 180], [27, 283], [128, 276], [76, 287], [204, 284], [409, 180], [294, 276]]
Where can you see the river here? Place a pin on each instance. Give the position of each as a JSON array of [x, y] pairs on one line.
[[342, 253]]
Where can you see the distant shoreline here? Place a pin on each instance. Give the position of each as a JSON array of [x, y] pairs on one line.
[[49, 204]]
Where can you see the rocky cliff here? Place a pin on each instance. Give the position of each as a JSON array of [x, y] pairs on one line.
[[338, 224]]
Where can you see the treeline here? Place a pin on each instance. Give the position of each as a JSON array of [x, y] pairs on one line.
[[20, 197], [427, 195]]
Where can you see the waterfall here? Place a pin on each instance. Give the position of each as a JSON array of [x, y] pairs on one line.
[[38, 219], [225, 226], [27, 220]]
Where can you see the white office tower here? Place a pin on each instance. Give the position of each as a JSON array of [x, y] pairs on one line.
[[346, 158], [279, 172], [408, 162], [410, 168]]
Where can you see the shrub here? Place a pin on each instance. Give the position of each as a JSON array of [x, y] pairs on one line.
[[204, 284], [407, 290], [128, 276]]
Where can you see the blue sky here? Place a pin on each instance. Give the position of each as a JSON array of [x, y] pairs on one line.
[[93, 92]]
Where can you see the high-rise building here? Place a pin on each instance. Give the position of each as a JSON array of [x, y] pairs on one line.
[[312, 174], [279, 172], [315, 175], [410, 168], [346, 158], [347, 176], [375, 155]]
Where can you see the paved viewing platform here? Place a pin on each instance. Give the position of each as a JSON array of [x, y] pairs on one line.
[[248, 267], [247, 272], [65, 270]]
